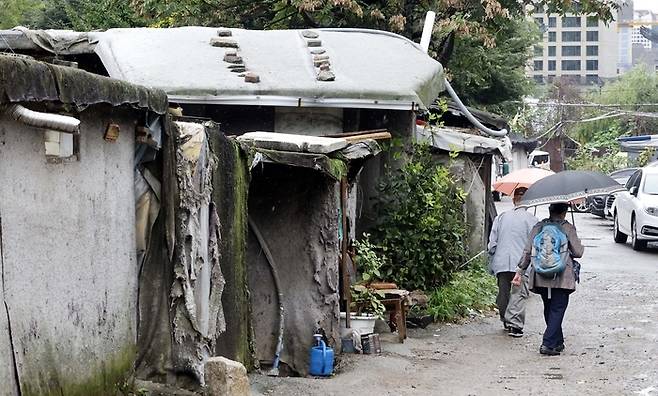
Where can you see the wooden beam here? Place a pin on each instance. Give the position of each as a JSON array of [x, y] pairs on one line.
[[347, 291]]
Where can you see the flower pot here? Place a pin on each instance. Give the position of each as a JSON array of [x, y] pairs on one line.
[[364, 324]]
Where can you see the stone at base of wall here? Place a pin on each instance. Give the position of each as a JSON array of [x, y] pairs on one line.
[[225, 377]]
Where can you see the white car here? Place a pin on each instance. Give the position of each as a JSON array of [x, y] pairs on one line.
[[636, 209]]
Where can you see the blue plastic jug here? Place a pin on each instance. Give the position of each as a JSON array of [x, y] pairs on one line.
[[322, 358]]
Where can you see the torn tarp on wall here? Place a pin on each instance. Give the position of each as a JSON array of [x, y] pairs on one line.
[[181, 311], [198, 282]]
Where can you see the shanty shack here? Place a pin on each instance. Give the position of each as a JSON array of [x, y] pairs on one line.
[[268, 173], [330, 83], [70, 153]]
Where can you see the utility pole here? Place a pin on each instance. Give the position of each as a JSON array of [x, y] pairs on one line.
[[554, 146]]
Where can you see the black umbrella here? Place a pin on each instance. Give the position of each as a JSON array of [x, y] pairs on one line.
[[569, 186]]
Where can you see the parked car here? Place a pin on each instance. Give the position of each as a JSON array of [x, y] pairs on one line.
[[636, 209], [600, 205]]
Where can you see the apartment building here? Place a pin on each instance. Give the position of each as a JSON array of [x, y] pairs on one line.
[[581, 49], [644, 51]]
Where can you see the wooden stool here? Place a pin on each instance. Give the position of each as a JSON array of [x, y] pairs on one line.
[[398, 315]]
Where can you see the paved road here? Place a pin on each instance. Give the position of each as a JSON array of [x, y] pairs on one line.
[[611, 332]]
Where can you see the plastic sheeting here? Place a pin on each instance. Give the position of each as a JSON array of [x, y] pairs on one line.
[[448, 139], [372, 68]]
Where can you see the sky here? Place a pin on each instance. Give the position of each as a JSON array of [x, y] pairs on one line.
[[646, 5]]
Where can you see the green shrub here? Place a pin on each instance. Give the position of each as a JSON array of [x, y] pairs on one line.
[[473, 288], [368, 261], [421, 226]]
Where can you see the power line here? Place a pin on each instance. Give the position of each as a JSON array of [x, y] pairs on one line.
[[589, 105]]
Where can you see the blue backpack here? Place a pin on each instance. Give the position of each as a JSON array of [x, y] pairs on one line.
[[550, 250]]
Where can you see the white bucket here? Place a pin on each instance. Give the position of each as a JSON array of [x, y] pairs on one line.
[[364, 324]]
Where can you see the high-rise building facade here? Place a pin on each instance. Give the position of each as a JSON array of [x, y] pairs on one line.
[[581, 49], [626, 33]]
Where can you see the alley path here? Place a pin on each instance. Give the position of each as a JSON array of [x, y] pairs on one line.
[[611, 337]]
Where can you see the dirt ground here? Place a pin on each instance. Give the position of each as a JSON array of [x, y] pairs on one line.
[[611, 337]]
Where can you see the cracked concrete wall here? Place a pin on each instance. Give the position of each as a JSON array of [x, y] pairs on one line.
[[69, 270]]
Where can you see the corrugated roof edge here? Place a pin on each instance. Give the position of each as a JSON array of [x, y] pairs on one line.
[[26, 80]]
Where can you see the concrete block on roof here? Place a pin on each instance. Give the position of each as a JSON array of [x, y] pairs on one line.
[[326, 75], [314, 43], [294, 143], [223, 42], [232, 58], [224, 32], [310, 34], [251, 77]]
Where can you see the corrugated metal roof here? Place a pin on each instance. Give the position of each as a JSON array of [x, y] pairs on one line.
[[26, 80]]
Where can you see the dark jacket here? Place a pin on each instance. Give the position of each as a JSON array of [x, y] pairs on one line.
[[565, 280]]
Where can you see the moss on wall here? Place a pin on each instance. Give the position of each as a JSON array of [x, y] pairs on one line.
[[111, 377], [230, 190]]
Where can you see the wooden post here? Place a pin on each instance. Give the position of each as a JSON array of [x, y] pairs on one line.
[[347, 295]]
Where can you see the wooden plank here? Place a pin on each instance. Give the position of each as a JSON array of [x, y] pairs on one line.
[[347, 295], [355, 133], [374, 136]]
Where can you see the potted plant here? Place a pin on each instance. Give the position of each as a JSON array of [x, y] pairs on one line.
[[366, 306]]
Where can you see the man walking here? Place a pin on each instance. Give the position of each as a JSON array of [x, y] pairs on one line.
[[508, 238]]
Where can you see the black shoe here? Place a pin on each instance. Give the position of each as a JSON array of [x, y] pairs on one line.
[[560, 347], [544, 350], [514, 332]]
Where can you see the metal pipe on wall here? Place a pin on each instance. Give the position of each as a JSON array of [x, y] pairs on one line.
[[53, 122]]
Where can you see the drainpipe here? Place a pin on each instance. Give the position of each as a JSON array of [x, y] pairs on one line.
[[470, 117], [424, 45], [53, 122], [427, 31]]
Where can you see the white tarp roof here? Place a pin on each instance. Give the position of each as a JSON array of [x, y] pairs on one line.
[[450, 139], [373, 69]]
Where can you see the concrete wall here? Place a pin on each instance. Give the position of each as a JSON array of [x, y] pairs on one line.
[[314, 121], [519, 159], [68, 260], [296, 210]]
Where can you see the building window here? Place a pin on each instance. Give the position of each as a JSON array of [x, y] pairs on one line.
[[569, 22], [593, 36], [552, 22], [570, 79], [552, 37], [572, 36], [592, 79], [61, 146], [539, 79], [592, 50], [571, 50], [550, 78], [592, 65], [551, 50], [539, 65], [592, 21], [539, 50], [552, 65], [570, 65], [539, 21]]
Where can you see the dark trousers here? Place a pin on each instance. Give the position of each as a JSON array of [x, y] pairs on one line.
[[504, 289], [554, 309]]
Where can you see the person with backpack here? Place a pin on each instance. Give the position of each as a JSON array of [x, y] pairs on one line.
[[509, 233], [550, 254]]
